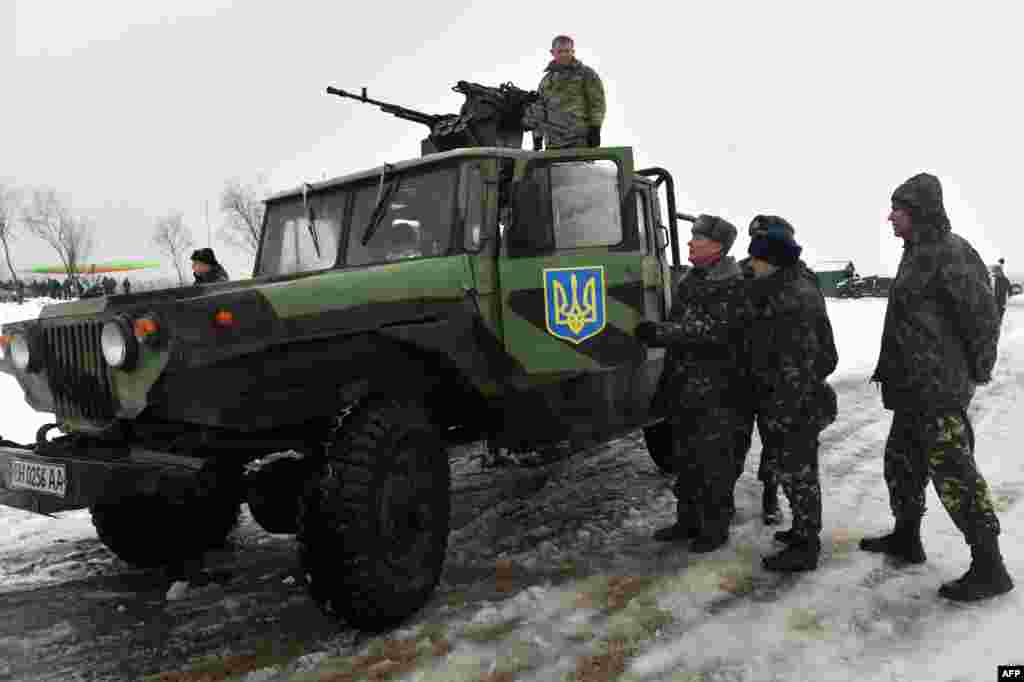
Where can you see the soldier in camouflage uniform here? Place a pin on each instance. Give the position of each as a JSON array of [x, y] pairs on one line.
[[574, 88], [791, 354], [938, 343], [770, 440], [702, 388]]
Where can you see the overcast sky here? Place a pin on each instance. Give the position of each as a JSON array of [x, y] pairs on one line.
[[814, 111]]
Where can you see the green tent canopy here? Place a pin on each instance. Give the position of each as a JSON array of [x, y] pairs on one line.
[[96, 268]]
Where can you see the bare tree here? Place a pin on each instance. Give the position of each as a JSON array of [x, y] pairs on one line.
[[173, 237], [9, 200], [50, 219], [242, 206]]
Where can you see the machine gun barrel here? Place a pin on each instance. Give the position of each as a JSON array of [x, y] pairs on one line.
[[429, 120]]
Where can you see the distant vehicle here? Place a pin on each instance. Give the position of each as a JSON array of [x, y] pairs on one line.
[[859, 287]]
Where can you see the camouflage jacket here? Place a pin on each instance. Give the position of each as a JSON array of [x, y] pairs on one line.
[[576, 89], [791, 350], [941, 324], [704, 366]]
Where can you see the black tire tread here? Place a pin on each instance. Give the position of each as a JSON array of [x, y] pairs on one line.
[[340, 552]]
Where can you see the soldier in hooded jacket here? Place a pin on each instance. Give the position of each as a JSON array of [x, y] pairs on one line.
[[702, 390], [792, 352], [574, 88], [939, 342]]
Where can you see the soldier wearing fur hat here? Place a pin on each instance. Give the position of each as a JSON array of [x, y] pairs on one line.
[[205, 267], [939, 342], [702, 390], [791, 354], [771, 441]]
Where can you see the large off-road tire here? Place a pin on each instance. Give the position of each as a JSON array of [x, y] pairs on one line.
[[658, 439], [273, 493], [149, 531], [373, 526]]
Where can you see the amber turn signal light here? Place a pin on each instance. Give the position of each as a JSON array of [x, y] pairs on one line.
[[145, 327], [224, 318]]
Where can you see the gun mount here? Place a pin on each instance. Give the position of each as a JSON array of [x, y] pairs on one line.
[[490, 117]]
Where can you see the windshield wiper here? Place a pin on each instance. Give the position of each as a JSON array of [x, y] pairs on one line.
[[378, 211], [311, 218]]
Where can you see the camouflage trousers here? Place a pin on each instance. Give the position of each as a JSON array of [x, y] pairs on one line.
[[704, 446], [939, 447], [790, 458]]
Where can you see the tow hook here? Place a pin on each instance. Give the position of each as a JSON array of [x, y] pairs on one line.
[[41, 440]]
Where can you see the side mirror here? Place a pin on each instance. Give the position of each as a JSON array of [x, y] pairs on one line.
[[530, 232]]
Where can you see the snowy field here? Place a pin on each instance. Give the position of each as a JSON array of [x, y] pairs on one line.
[[855, 618]]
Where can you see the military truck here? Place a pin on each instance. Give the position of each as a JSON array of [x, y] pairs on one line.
[[481, 292]]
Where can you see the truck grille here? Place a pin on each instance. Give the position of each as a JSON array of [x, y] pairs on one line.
[[78, 375]]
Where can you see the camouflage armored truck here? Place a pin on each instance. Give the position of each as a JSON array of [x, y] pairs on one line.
[[475, 293]]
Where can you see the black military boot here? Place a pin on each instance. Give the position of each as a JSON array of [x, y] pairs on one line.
[[800, 555], [987, 576], [770, 512], [713, 535], [903, 543]]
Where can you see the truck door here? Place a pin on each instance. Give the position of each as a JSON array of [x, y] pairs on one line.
[[571, 274]]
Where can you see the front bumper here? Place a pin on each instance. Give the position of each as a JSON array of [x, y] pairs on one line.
[[51, 483]]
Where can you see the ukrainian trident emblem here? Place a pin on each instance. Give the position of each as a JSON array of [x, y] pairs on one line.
[[574, 302]]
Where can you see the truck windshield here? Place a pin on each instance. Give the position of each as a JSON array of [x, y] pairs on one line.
[[415, 223], [294, 231]]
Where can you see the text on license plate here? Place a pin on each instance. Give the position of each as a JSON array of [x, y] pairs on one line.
[[44, 478]]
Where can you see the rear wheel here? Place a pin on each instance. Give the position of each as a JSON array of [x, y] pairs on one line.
[[373, 525], [658, 439]]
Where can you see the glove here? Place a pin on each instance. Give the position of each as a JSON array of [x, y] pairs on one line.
[[594, 136], [647, 332], [538, 143]]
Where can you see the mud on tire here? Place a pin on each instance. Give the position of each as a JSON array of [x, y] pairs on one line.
[[373, 526]]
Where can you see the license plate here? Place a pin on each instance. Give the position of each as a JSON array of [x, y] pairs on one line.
[[43, 478]]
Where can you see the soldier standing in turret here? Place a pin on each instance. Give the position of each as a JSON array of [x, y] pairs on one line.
[[575, 88]]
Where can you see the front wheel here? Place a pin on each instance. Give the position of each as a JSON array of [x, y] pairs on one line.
[[373, 524]]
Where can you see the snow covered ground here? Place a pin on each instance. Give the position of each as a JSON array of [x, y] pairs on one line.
[[720, 616]]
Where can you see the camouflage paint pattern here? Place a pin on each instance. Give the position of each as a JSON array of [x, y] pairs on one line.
[[939, 447], [502, 297]]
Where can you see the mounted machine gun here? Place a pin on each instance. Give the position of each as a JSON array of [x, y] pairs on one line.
[[490, 117]]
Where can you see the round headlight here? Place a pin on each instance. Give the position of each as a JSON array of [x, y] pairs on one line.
[[119, 347], [21, 355]]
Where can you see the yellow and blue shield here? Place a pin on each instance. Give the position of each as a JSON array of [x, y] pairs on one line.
[[574, 302]]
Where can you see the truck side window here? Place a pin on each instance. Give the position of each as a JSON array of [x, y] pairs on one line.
[[585, 204]]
